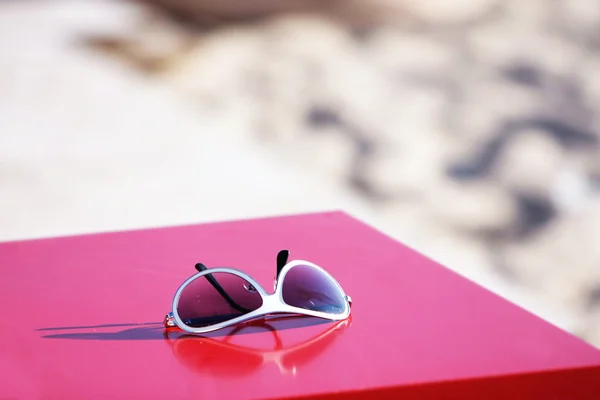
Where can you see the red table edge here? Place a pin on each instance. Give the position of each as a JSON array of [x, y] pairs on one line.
[[576, 383]]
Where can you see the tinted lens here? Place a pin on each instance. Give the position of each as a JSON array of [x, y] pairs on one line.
[[309, 288], [217, 297]]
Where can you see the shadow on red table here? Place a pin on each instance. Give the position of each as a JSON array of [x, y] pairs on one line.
[[288, 342]]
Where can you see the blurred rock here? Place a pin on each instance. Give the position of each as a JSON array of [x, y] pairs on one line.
[[449, 12], [475, 207], [590, 81], [561, 262], [505, 42], [530, 162], [582, 17], [533, 13], [406, 56], [488, 102], [326, 153], [210, 13]]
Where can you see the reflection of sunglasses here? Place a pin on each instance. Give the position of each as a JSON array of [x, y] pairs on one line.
[[219, 357], [219, 297]]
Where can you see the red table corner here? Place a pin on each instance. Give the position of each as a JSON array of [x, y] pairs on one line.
[[83, 320]]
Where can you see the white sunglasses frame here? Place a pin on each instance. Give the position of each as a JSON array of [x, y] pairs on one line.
[[271, 303]]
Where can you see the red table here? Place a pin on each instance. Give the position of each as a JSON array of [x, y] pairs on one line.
[[83, 319]]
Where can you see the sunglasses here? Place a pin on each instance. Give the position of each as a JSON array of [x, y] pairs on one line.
[[216, 298]]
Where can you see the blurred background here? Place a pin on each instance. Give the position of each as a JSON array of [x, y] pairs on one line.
[[468, 130]]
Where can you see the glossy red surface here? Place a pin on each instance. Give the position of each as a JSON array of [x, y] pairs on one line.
[[83, 319]]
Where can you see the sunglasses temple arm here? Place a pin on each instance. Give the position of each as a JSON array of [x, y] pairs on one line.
[[211, 279], [282, 259]]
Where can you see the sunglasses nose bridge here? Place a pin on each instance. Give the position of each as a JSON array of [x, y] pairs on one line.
[[271, 301]]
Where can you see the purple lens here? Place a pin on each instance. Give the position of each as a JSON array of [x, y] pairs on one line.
[[214, 298], [309, 288]]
